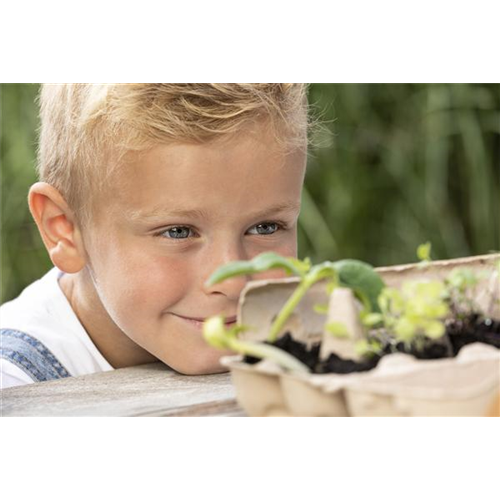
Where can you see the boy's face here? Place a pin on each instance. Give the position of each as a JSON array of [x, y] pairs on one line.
[[179, 213]]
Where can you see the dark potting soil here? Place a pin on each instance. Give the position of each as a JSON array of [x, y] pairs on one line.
[[309, 357], [429, 351], [460, 333], [336, 364], [474, 328]]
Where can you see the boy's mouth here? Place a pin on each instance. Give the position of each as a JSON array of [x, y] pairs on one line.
[[198, 322]]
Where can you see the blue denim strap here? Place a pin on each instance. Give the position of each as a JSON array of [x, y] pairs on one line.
[[29, 354]]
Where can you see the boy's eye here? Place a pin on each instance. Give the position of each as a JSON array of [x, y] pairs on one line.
[[177, 233], [184, 232], [266, 228]]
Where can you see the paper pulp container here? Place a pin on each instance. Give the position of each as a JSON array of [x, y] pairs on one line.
[[258, 389], [400, 385], [463, 386], [305, 398]]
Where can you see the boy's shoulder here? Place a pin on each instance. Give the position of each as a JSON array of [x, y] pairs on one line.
[[42, 336], [40, 305]]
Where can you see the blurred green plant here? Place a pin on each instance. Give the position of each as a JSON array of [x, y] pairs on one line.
[[24, 258], [399, 164], [403, 164]]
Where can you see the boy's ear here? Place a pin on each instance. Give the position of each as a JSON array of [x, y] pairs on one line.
[[57, 227]]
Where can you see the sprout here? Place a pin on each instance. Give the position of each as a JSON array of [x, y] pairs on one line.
[[367, 348], [424, 252], [460, 285], [263, 262], [218, 336], [372, 320], [461, 279], [361, 277], [316, 273], [417, 311]]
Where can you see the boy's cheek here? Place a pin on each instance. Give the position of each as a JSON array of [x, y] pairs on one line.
[[151, 287], [186, 352], [204, 362]]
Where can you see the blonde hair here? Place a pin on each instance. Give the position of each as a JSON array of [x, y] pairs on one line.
[[87, 128]]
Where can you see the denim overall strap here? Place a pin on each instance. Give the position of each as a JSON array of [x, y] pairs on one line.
[[29, 354]]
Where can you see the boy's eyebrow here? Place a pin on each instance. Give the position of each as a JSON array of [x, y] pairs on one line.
[[159, 212]]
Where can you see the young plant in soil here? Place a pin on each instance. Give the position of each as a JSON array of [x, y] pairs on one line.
[[217, 335], [359, 276], [427, 319], [430, 319], [412, 320], [467, 323]]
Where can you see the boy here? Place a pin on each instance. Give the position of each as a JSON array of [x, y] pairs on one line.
[[145, 190]]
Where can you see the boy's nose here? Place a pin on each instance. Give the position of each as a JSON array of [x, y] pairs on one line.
[[230, 288], [221, 255]]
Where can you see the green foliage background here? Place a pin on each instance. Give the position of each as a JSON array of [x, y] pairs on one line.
[[396, 165]]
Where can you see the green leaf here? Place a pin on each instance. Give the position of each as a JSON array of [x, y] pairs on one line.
[[461, 279], [434, 329], [367, 348], [260, 263], [415, 311], [391, 301], [372, 319], [337, 329], [320, 272], [424, 251], [405, 329], [362, 279], [302, 266], [215, 333]]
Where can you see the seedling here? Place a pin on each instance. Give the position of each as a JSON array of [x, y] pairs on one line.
[[414, 313], [358, 276], [460, 285], [424, 252], [220, 337], [367, 348], [419, 310]]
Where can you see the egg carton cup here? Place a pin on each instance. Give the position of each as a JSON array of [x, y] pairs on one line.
[[400, 385]]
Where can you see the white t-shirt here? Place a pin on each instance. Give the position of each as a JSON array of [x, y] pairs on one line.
[[43, 311]]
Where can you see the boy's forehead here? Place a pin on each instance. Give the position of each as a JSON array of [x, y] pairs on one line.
[[200, 212], [194, 177]]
